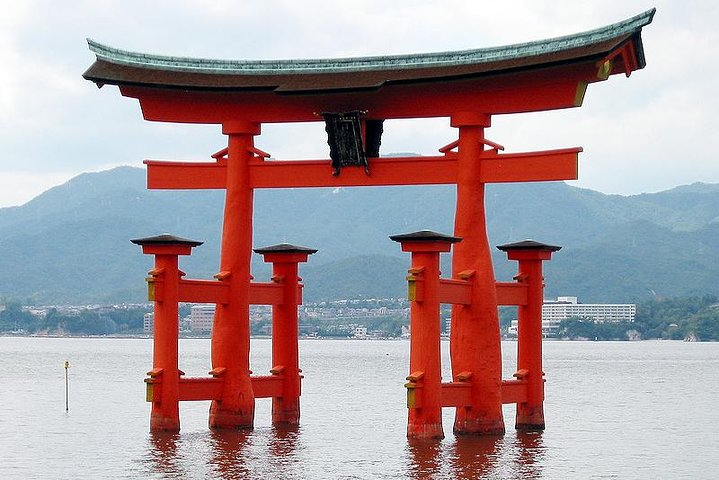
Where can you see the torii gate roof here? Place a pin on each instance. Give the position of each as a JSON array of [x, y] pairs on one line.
[[349, 83]]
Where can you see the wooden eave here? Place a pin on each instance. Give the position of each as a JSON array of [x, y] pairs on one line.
[[385, 85]]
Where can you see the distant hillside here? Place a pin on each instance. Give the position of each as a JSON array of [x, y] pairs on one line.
[[71, 244]]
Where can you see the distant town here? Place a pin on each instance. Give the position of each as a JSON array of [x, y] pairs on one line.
[[692, 318]]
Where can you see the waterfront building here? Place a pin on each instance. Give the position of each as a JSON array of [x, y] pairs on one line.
[[201, 318], [360, 332], [563, 308], [148, 322]]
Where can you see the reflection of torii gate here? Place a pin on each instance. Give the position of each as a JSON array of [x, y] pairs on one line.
[[354, 96]]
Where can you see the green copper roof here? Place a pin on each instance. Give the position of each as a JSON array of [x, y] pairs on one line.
[[618, 30]]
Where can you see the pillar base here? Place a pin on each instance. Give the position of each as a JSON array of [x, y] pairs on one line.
[[222, 419], [530, 427], [162, 423], [285, 413], [478, 426], [530, 418], [431, 430]]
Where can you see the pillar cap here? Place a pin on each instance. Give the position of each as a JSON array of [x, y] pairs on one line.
[[284, 248], [166, 239], [528, 245], [424, 236]]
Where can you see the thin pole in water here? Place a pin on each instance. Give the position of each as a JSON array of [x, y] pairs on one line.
[[67, 405]]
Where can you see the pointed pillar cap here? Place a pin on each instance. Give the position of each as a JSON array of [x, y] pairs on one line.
[[284, 248], [166, 239], [424, 236], [528, 245]]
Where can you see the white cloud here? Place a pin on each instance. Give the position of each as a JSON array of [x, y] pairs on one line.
[[17, 188]]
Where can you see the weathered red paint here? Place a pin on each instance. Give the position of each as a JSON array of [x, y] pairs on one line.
[[530, 408], [164, 378], [231, 327], [427, 170], [285, 336], [549, 89], [424, 387], [475, 340]]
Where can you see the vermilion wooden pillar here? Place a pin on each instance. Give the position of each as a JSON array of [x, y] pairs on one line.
[[163, 386], [530, 255], [475, 342], [424, 390], [285, 329], [231, 328]]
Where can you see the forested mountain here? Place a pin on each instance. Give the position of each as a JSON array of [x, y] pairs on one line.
[[71, 244]]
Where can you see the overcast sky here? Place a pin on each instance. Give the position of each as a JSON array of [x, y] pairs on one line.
[[650, 132]]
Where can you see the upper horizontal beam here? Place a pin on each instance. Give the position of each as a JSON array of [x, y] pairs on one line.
[[552, 89]]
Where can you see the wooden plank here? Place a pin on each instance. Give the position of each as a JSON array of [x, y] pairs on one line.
[[266, 293], [267, 386], [196, 389], [383, 171], [510, 293], [456, 394], [203, 291], [531, 166], [514, 391], [455, 292], [185, 175], [421, 170]]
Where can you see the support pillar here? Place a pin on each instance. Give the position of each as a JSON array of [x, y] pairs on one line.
[[163, 386], [424, 389], [231, 328], [530, 255], [285, 326], [475, 342]]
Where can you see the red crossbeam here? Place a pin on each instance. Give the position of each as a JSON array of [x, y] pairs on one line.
[[267, 386], [186, 175], [203, 291], [209, 291], [455, 292], [425, 170], [509, 293], [514, 391], [196, 389], [457, 394]]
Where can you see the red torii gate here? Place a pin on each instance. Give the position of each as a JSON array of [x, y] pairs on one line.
[[354, 96]]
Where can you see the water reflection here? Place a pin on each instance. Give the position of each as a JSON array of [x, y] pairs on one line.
[[163, 456], [282, 450], [474, 456], [228, 454], [530, 454], [424, 458], [464, 457]]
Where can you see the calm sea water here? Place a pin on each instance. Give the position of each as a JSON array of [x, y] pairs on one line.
[[614, 410]]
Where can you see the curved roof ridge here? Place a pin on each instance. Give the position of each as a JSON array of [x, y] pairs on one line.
[[622, 29]]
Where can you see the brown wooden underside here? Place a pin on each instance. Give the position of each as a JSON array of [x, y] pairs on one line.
[[105, 72]]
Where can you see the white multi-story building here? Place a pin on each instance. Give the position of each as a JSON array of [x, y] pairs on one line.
[[569, 307], [201, 318], [563, 308], [360, 332], [148, 322]]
